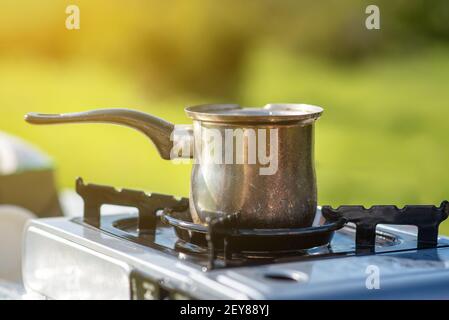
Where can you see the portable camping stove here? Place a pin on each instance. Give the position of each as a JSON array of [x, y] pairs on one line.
[[160, 253]]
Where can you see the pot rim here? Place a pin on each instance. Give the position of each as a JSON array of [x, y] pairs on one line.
[[273, 112]]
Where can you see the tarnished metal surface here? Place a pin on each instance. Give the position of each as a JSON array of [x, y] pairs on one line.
[[230, 188]]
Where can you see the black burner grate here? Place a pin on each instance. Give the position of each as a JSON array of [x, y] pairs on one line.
[[426, 218], [222, 235]]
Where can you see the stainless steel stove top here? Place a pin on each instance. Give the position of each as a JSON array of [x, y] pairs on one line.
[[67, 259]]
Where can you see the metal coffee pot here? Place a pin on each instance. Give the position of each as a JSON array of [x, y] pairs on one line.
[[254, 162]]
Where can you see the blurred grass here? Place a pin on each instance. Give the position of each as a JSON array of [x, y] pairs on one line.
[[383, 137], [99, 153]]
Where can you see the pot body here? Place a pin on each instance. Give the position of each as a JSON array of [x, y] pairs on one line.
[[276, 191]]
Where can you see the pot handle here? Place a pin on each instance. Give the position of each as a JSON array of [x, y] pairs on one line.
[[160, 132]]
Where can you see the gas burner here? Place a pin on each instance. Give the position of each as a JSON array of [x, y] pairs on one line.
[[222, 235]]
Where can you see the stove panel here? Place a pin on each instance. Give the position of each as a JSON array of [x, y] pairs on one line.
[[90, 257]]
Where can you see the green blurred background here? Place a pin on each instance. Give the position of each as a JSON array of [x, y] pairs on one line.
[[383, 138]]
